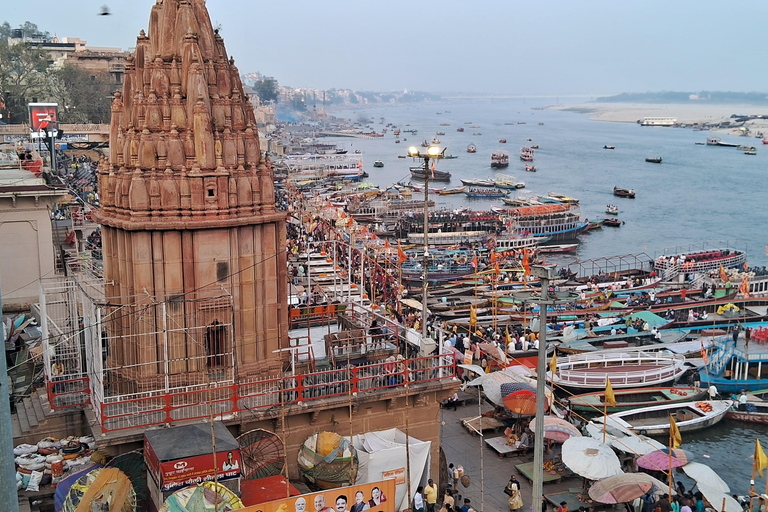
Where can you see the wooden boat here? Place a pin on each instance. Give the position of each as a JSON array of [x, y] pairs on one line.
[[557, 248], [624, 192], [563, 198], [526, 154], [435, 175], [488, 193], [609, 147], [471, 148], [757, 408], [699, 262], [753, 152], [747, 148], [503, 141], [530, 168], [612, 222], [478, 182], [448, 191], [627, 399], [534, 146], [654, 420], [460, 129], [499, 159], [626, 369], [628, 341], [505, 181], [653, 159], [378, 163], [612, 209]]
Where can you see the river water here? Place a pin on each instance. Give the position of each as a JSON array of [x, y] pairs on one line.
[[700, 196]]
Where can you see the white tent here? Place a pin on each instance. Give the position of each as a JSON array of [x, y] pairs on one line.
[[382, 455]]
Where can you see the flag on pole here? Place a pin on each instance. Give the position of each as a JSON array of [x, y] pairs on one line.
[[474, 262], [553, 364], [746, 267], [401, 257], [704, 352], [674, 434], [386, 243], [761, 461], [610, 399], [526, 263], [509, 336], [723, 275], [472, 317]]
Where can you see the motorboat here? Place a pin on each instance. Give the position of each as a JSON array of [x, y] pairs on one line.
[[611, 209], [653, 159], [478, 182], [526, 154], [448, 191], [624, 192], [471, 148], [378, 163], [499, 159], [609, 147]]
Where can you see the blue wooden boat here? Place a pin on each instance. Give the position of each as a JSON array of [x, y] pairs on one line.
[[489, 193], [733, 367]]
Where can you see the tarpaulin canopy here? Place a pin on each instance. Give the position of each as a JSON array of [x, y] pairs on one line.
[[556, 429], [705, 475], [660, 460], [590, 458]]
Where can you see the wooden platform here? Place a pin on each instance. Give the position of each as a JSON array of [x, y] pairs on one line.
[[502, 448], [482, 424], [570, 498], [526, 469], [464, 399]]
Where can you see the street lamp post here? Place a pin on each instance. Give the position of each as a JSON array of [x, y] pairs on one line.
[[545, 298], [434, 153]]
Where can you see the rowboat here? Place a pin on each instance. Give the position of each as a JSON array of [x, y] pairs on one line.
[[553, 248], [478, 182], [612, 222], [653, 159], [418, 172], [448, 191], [627, 399], [488, 193], [654, 420], [625, 369], [642, 339]]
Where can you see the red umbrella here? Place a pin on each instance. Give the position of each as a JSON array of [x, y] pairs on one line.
[[556, 429], [659, 459]]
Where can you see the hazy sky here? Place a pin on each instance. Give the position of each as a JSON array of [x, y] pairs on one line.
[[500, 46]]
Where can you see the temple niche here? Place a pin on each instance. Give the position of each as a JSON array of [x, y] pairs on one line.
[[190, 230]]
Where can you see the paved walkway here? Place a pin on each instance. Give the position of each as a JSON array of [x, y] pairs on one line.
[[462, 447]]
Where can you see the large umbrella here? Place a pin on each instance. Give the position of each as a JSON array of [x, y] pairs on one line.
[[705, 475], [626, 487], [491, 382], [590, 458], [715, 498], [556, 429], [620, 488], [518, 397], [659, 460]]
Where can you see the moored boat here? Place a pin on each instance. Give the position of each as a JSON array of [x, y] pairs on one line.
[[487, 193], [473, 182], [654, 420], [611, 222], [448, 191], [625, 369], [627, 399], [526, 154], [433, 174], [755, 410]]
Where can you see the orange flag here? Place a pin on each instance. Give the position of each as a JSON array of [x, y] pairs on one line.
[[474, 262], [386, 243], [723, 275], [401, 257], [744, 287], [526, 263]]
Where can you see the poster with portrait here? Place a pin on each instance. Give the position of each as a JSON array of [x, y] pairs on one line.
[[375, 497]]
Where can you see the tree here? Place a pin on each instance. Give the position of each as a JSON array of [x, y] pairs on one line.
[[83, 97], [266, 89], [22, 72]]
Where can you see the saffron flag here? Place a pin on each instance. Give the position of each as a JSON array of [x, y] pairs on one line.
[[386, 243], [703, 352], [401, 257], [610, 399], [723, 275], [675, 438], [746, 267], [509, 336], [761, 461], [472, 317], [553, 364], [526, 263], [474, 262], [744, 287]]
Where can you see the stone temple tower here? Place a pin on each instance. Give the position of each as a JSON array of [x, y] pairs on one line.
[[191, 237]]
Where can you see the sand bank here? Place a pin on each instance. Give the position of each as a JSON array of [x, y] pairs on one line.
[[685, 113]]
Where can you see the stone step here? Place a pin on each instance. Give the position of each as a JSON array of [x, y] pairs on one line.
[[38, 407], [15, 426], [22, 417], [30, 410]]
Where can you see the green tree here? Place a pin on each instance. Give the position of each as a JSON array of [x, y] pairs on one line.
[[266, 89], [83, 97], [22, 72]]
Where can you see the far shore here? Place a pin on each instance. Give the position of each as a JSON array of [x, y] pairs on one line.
[[685, 113]]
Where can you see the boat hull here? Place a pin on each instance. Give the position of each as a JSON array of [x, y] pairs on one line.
[[591, 402], [645, 425]]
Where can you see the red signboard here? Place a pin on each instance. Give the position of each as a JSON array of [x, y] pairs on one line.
[[175, 474]]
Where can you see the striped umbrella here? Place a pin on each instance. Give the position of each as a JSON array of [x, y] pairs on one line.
[[624, 488], [556, 429], [519, 397]]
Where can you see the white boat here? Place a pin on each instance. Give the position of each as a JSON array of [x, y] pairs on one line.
[[654, 420], [625, 369], [658, 121]]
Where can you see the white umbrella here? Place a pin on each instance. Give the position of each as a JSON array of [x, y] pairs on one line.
[[715, 498], [590, 458], [622, 439], [706, 476]]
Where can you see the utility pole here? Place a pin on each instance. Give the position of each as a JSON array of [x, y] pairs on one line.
[[9, 499]]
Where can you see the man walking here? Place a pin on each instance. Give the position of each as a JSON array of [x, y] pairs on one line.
[[430, 493]]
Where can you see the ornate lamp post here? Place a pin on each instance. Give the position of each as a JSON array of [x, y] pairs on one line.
[[434, 153]]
